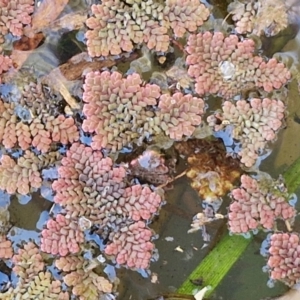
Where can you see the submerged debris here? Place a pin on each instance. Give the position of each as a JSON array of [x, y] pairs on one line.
[[4, 219], [211, 170], [150, 167]]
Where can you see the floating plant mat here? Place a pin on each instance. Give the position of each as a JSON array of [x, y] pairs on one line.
[[220, 260], [142, 84]]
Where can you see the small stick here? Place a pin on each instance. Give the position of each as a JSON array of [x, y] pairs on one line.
[[171, 180]]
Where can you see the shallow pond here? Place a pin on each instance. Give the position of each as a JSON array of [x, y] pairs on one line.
[[178, 252]]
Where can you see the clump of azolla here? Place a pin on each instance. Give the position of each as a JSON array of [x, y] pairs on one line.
[[267, 17], [14, 15], [227, 66], [6, 250], [257, 205], [132, 246], [123, 110], [100, 193], [23, 175], [85, 282], [140, 21], [20, 176], [41, 286], [32, 282], [284, 257], [252, 123], [19, 128], [62, 236]]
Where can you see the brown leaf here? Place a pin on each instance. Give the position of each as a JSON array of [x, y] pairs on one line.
[[45, 14], [73, 69], [26, 43], [57, 81], [72, 21], [19, 57]]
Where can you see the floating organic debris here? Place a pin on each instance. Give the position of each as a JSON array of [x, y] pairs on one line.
[[27, 44], [150, 167], [209, 214], [179, 75], [211, 170], [84, 223], [201, 220], [45, 14], [200, 295]]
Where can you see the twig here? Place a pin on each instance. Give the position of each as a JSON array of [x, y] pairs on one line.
[[288, 225], [180, 46], [171, 180]]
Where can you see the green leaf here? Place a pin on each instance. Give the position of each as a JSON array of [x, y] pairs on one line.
[[292, 176], [217, 263]]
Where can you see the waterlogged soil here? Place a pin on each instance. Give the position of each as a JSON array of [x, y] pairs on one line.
[[246, 279]]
